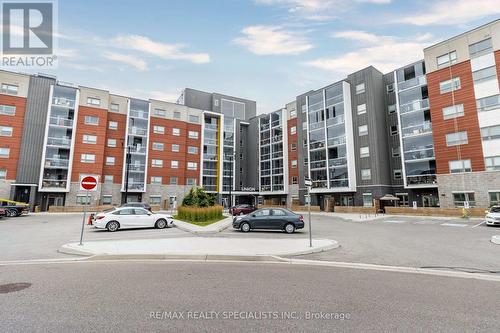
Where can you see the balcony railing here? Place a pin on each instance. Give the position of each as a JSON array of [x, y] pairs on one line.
[[417, 81], [211, 142], [264, 127], [265, 156], [211, 127], [316, 145], [137, 131], [339, 182], [336, 162], [211, 188], [414, 106], [340, 119], [265, 188], [429, 179], [278, 187], [53, 183], [277, 138], [319, 183], [313, 126], [418, 154], [264, 142], [337, 141], [56, 163], [318, 164], [136, 167], [276, 123], [210, 157], [138, 114], [425, 127], [135, 186], [209, 172], [60, 101], [265, 172], [278, 154], [59, 142], [60, 121], [277, 171]]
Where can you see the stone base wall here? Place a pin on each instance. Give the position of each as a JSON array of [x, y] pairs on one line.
[[433, 211], [5, 188]]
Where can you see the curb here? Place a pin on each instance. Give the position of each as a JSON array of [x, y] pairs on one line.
[[197, 230], [69, 250], [495, 239]]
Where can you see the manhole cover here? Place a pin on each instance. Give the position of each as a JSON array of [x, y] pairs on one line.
[[12, 287]]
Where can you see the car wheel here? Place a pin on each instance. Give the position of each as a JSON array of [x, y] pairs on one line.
[[245, 227], [112, 226], [161, 223], [13, 213], [289, 228]]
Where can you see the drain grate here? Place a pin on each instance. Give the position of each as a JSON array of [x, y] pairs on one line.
[[12, 287]]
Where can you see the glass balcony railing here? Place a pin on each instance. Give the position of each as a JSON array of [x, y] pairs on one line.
[[138, 114], [276, 123], [137, 167], [337, 141], [56, 163], [335, 120], [316, 145], [277, 171], [339, 182], [137, 131], [278, 187], [414, 106], [211, 142], [425, 127], [64, 142], [265, 188], [209, 157], [60, 121], [319, 183], [277, 138], [53, 183], [210, 188], [278, 154], [429, 179], [264, 127], [211, 127], [135, 186], [318, 164], [265, 157], [65, 102], [418, 154], [313, 126], [417, 81], [336, 162], [209, 172], [264, 142], [266, 172]]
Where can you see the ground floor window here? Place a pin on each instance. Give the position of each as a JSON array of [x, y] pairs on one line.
[[403, 199], [367, 200], [459, 199], [82, 200], [107, 199], [494, 198], [156, 200]]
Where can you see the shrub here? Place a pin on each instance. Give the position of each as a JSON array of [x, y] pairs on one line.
[[197, 197], [199, 214]]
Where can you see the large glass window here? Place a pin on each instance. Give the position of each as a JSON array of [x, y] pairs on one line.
[[490, 133], [367, 200], [485, 74], [492, 163], [488, 103], [7, 110], [455, 139], [449, 85], [453, 111], [447, 59], [459, 199], [494, 198], [480, 48], [459, 166]]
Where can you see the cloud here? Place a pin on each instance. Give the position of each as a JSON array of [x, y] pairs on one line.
[[385, 53], [133, 61], [168, 96], [162, 50], [272, 40], [452, 12]]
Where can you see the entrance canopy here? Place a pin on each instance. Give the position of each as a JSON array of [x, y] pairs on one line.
[[389, 197]]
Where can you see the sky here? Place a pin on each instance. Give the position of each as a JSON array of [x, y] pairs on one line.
[[265, 50]]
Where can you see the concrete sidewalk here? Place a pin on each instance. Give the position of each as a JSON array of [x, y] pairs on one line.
[[361, 217], [209, 229], [199, 248]]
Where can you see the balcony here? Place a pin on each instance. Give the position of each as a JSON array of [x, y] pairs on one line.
[[277, 138], [63, 142], [60, 121], [210, 188], [278, 154], [211, 127], [210, 142], [53, 183], [425, 127], [278, 187], [56, 163], [266, 172], [264, 142], [209, 172], [414, 106], [64, 102], [429, 179], [276, 123], [339, 183], [317, 145], [137, 150], [319, 183], [417, 81], [337, 162], [340, 119], [277, 171], [337, 141], [313, 126], [137, 131], [138, 114], [318, 164], [209, 157], [136, 167], [264, 127], [265, 188], [136, 186], [419, 154], [265, 156]]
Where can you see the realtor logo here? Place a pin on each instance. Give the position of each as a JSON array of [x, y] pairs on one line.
[[28, 30]]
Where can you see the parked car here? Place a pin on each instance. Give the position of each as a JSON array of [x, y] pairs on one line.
[[137, 204], [270, 218], [493, 216], [14, 208], [2, 212], [131, 217], [242, 209]]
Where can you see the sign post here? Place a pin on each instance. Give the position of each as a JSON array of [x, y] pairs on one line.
[[88, 184], [308, 183]]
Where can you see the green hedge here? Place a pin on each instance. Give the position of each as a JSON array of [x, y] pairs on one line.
[[199, 214]]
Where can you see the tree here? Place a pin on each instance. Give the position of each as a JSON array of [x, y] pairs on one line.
[[197, 197]]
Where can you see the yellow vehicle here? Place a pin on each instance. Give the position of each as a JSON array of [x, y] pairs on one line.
[[14, 208]]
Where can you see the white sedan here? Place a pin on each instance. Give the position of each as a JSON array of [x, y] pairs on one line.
[[493, 216], [131, 217]]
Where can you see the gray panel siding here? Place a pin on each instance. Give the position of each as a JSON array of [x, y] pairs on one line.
[[392, 120], [252, 173], [28, 169]]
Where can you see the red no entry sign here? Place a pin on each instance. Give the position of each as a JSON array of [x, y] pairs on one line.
[[89, 183]]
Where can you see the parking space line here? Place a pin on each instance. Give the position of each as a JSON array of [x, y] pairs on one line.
[[398, 221], [453, 225], [477, 225]]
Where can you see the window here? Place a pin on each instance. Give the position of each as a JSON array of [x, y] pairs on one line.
[[492, 163], [158, 146], [158, 129], [306, 161], [4, 152], [361, 108], [293, 113], [366, 174], [174, 164], [159, 112], [494, 198], [175, 148], [364, 152], [90, 139], [93, 101], [157, 163], [192, 166], [191, 181], [293, 147], [83, 200], [446, 59], [485, 74], [263, 212], [304, 108], [455, 139], [192, 150], [91, 120], [108, 179], [391, 108], [113, 125], [294, 164], [194, 119], [110, 160], [490, 133], [394, 130], [114, 107], [363, 130], [173, 181], [193, 135], [176, 131], [293, 129], [304, 143], [398, 174], [459, 199], [488, 103], [389, 88], [9, 89], [279, 212], [111, 143], [107, 199], [453, 111], [367, 200], [304, 126], [3, 174], [459, 166], [403, 199], [87, 158], [155, 200], [8, 110], [360, 88], [449, 85], [156, 180], [396, 152], [480, 48], [6, 131], [177, 115]]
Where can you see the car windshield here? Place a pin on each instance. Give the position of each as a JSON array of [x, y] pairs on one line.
[[495, 210]]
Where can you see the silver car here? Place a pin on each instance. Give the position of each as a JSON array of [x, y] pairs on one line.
[[493, 216]]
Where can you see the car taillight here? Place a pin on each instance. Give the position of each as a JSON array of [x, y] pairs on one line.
[[301, 218], [99, 217]]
